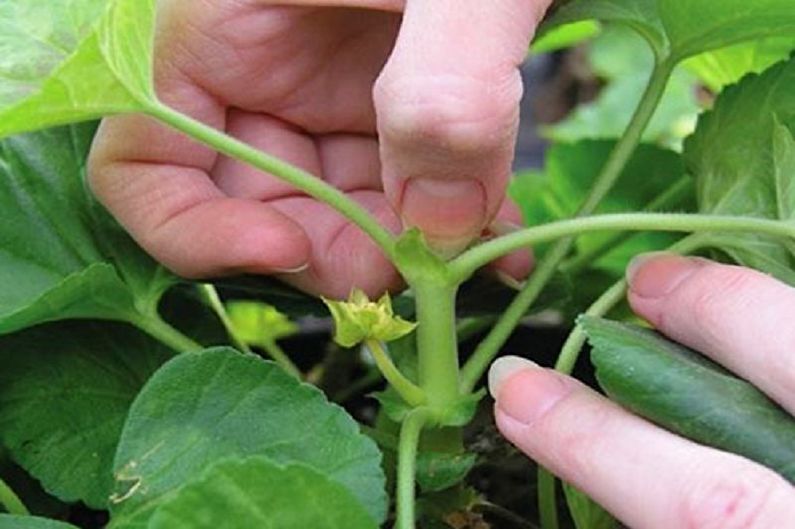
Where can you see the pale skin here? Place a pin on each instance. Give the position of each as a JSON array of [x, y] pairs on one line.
[[411, 107]]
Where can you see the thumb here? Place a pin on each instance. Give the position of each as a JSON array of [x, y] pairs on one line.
[[448, 109]]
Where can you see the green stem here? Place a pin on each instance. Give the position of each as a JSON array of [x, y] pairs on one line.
[[210, 294], [566, 229], [570, 352], [306, 182], [277, 354], [487, 350], [11, 501], [672, 196], [164, 332], [407, 389], [547, 503], [607, 177], [407, 467], [437, 344]]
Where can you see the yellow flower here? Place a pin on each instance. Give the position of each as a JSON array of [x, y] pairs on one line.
[[360, 319]]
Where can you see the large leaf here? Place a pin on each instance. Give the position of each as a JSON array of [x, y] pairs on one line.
[[65, 390], [681, 28], [28, 522], [570, 171], [73, 60], [61, 256], [618, 57], [203, 407], [720, 68], [741, 156], [255, 492], [686, 393]]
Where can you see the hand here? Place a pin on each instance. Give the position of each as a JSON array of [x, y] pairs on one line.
[[647, 477], [413, 112]]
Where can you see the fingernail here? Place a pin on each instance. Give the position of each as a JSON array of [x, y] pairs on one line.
[[297, 270], [503, 368], [451, 213], [655, 275], [523, 391]]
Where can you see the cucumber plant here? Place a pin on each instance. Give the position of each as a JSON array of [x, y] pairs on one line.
[[108, 395]]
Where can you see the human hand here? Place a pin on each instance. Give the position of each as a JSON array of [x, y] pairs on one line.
[[409, 106], [648, 477]]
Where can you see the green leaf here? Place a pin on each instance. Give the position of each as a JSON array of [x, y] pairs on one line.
[[259, 324], [689, 395], [618, 57], [29, 522], [720, 68], [72, 61], [203, 407], [741, 157], [61, 255], [564, 36], [65, 390], [682, 28], [570, 171], [437, 471], [587, 514], [256, 492]]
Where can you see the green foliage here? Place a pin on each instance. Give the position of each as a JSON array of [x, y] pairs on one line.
[[72, 61], [587, 514], [256, 492], [619, 58], [62, 423], [564, 37], [204, 407], [678, 29], [67, 257], [742, 158], [720, 68], [258, 324], [686, 393], [570, 172]]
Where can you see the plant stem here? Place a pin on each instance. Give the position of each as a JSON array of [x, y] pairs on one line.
[[11, 501], [407, 467], [674, 222], [611, 297], [277, 354], [675, 194], [164, 332], [437, 345], [607, 177], [547, 504], [306, 182], [407, 389], [210, 294]]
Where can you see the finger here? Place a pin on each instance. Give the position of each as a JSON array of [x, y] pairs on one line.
[[347, 161], [447, 106], [343, 257], [513, 268], [645, 476], [738, 317], [155, 182]]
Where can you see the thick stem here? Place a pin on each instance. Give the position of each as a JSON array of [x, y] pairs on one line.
[[407, 467], [436, 342], [408, 390], [565, 229], [8, 499], [309, 184], [165, 333]]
